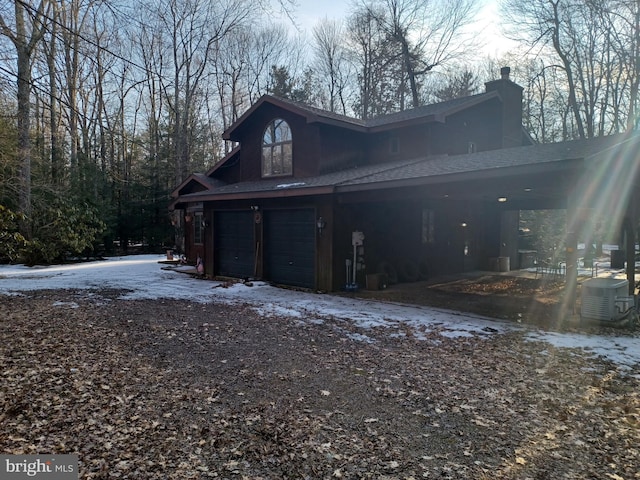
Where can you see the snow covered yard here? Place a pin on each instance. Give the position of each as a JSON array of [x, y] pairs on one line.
[[141, 277], [148, 373]]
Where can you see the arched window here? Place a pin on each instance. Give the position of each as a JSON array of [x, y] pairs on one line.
[[277, 151]]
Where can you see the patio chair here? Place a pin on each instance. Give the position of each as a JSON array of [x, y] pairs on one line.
[[549, 266]]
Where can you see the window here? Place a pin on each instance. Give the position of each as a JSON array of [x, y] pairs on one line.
[[277, 151], [198, 228]]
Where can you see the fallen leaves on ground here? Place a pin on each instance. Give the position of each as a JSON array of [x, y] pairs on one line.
[[181, 390], [523, 299]]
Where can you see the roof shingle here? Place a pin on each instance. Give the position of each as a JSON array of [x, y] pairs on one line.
[[432, 168]]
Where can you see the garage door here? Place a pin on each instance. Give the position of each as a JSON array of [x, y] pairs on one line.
[[234, 252], [289, 247]]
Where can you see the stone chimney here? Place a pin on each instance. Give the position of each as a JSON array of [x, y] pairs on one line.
[[510, 95]]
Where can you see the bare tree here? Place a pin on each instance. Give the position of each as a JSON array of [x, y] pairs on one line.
[[596, 46], [192, 29], [269, 46], [29, 23], [459, 85], [50, 48], [375, 66], [240, 69], [426, 33], [621, 19], [332, 63]]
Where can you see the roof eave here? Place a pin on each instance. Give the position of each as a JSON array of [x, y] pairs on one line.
[[338, 123], [278, 193], [488, 173], [472, 102], [406, 123]]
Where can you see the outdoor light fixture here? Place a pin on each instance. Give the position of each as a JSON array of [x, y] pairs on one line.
[[463, 224], [320, 224], [255, 208], [502, 199], [527, 189]]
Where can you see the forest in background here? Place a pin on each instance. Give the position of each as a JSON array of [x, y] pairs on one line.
[[106, 106]]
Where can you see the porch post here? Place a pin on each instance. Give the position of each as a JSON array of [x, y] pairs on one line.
[[573, 221], [631, 222]]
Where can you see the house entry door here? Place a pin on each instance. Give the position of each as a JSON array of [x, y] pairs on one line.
[[289, 247]]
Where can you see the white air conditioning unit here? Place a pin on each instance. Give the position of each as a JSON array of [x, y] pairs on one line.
[[599, 298]]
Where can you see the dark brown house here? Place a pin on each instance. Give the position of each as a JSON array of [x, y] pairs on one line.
[[313, 199]]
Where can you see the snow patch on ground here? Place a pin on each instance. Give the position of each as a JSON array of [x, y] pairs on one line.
[[624, 351], [65, 304], [141, 277]]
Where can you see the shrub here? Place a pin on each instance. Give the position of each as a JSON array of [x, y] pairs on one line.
[[62, 228], [11, 241]]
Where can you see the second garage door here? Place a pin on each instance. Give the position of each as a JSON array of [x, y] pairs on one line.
[[289, 247]]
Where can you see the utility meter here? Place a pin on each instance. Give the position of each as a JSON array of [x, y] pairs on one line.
[[357, 238]]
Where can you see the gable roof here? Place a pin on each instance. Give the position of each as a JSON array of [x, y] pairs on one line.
[[427, 113], [431, 170], [311, 114], [432, 112], [195, 180]]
